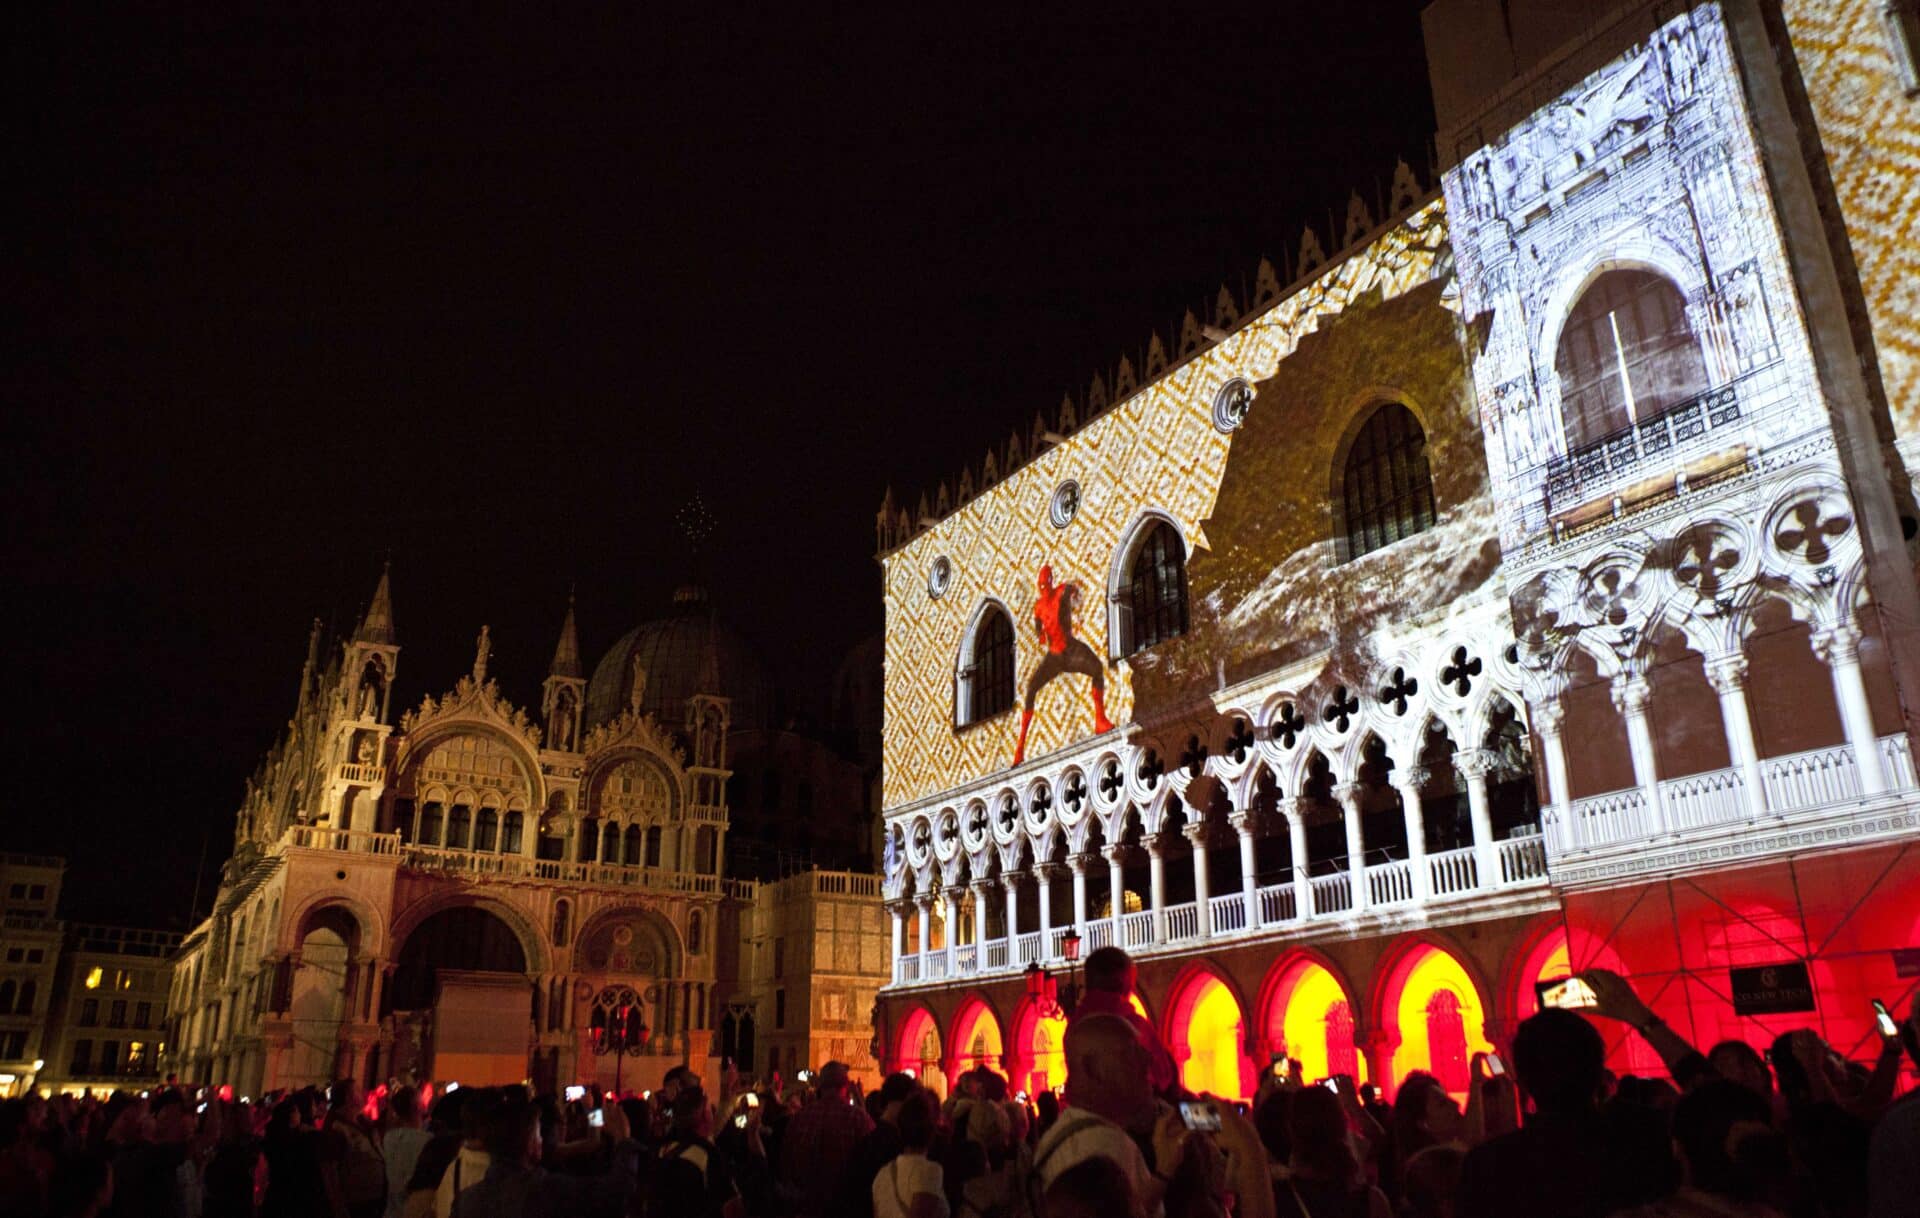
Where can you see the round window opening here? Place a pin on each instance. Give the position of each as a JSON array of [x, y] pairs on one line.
[[1232, 404], [1065, 505], [940, 578]]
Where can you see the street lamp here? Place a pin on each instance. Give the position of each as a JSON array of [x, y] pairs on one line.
[[1056, 1001], [617, 1027]]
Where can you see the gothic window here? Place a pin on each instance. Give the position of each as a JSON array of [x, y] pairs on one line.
[[511, 830], [1625, 355], [562, 915], [486, 830], [459, 827], [1386, 489], [653, 845], [986, 678], [610, 843], [631, 856], [1153, 597], [430, 825]]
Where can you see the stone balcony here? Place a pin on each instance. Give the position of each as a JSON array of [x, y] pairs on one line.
[[492, 865], [1817, 797], [1291, 910]]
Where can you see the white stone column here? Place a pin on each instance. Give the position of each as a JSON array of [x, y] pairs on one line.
[[1297, 847], [1839, 646], [1348, 793], [981, 890], [1077, 863], [1157, 886], [1547, 718], [1408, 782], [1011, 882], [1196, 836], [1631, 694], [1728, 676], [899, 919], [1474, 766], [952, 920], [1043, 889], [1242, 823], [1116, 857], [923, 904]]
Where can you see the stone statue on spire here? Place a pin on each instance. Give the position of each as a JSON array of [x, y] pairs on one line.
[[637, 692], [483, 648]]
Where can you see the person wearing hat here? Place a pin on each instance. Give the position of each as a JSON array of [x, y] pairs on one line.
[[820, 1140]]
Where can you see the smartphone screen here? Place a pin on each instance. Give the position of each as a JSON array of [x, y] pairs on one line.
[[1200, 1116], [576, 1092], [1567, 993], [1282, 1069], [1885, 1019], [1495, 1066], [1330, 1084], [753, 1101], [597, 1117], [740, 1122]]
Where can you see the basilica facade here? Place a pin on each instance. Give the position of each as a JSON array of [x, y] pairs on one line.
[[462, 891], [1527, 586]]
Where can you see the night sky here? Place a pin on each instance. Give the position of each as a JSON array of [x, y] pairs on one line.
[[298, 292]]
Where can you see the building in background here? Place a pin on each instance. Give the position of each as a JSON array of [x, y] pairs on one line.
[[107, 1024], [30, 940], [468, 892], [1529, 586]]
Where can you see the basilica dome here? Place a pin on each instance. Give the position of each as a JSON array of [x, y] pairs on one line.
[[688, 651]]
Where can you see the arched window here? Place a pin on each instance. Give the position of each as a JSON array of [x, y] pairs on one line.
[[511, 830], [1625, 355], [486, 830], [1153, 596], [430, 825], [1385, 486], [654, 834], [562, 916], [458, 824], [632, 856], [986, 678], [610, 843]]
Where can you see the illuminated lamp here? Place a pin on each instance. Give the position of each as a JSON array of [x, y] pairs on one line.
[[1053, 1000]]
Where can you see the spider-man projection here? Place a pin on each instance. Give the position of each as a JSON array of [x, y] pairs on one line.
[[1053, 617]]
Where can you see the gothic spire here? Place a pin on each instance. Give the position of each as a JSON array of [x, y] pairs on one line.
[[566, 653], [377, 625]]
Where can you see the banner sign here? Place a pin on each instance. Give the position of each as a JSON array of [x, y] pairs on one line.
[[1771, 989]]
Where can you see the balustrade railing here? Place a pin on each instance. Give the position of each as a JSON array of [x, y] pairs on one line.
[[1228, 914], [1277, 904], [323, 837], [1183, 920], [1057, 942], [1817, 776], [1332, 893], [996, 953], [1099, 934], [1026, 949], [1522, 859], [907, 968], [1615, 816], [1390, 883], [1897, 758], [1136, 929], [966, 958], [936, 966], [1452, 871], [446, 861], [1699, 801]]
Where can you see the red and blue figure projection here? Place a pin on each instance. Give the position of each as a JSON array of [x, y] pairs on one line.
[[1053, 617]]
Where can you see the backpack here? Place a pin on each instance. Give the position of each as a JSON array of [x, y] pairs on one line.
[[363, 1170]]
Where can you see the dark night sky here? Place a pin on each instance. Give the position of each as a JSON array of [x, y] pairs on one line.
[[297, 291]]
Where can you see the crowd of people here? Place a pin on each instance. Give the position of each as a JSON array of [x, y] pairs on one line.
[[1798, 1131]]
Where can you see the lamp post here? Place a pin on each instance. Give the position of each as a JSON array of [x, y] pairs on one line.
[[617, 1027], [1057, 1001]]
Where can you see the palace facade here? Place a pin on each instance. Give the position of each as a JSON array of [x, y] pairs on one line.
[[466, 892], [1528, 586]]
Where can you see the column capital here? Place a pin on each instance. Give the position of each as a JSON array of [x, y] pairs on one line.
[[1047, 872], [982, 887], [1116, 854], [1548, 715], [924, 900], [1411, 778], [1156, 846], [1631, 692], [1288, 809], [1474, 763], [1195, 833], [1246, 823], [1348, 793], [1727, 672], [1079, 862], [1838, 643]]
